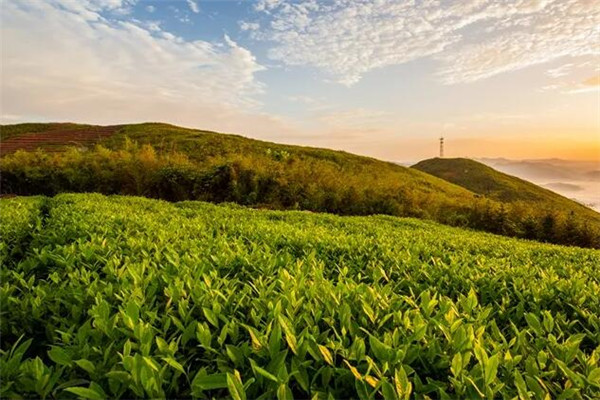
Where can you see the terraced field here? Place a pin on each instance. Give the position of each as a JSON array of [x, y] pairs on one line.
[[122, 297], [57, 138]]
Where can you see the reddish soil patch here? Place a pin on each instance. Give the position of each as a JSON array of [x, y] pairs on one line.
[[57, 140]]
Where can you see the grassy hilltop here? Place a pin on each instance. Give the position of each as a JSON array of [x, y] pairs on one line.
[[173, 163], [122, 297], [486, 181]]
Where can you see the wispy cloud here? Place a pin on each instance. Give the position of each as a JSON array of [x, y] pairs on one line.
[[78, 60], [574, 85], [591, 84], [472, 39], [249, 26], [563, 70], [522, 37], [193, 6], [79, 49]]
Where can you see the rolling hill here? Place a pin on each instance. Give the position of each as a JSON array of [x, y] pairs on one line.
[[173, 163], [201, 145], [483, 180], [210, 148]]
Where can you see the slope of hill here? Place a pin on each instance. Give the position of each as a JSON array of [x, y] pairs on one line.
[[486, 181], [121, 297], [201, 145], [235, 158], [168, 162]]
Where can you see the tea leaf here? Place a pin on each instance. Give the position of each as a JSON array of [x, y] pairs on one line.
[[235, 386], [85, 393]]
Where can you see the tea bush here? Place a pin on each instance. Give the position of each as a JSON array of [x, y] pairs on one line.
[[123, 297], [298, 179]]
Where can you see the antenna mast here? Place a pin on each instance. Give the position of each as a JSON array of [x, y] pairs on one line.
[[442, 147]]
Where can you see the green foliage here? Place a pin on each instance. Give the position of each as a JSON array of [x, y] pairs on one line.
[[175, 164], [19, 220], [121, 297]]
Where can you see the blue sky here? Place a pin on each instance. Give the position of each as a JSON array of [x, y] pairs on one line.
[[383, 78]]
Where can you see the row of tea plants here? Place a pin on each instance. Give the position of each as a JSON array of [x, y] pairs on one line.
[[124, 297]]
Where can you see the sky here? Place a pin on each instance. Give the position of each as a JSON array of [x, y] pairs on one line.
[[384, 78]]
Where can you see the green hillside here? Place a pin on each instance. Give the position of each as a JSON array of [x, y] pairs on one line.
[[172, 163], [486, 181], [122, 297], [213, 148]]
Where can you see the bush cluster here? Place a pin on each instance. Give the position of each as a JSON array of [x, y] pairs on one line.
[[280, 180], [123, 297]]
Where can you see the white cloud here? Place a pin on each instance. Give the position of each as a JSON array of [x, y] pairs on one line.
[[574, 83], [150, 9], [193, 6], [563, 70], [562, 28], [585, 89], [266, 5], [472, 39], [249, 26], [67, 61], [90, 9]]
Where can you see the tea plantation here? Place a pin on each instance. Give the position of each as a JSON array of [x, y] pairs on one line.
[[124, 297]]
